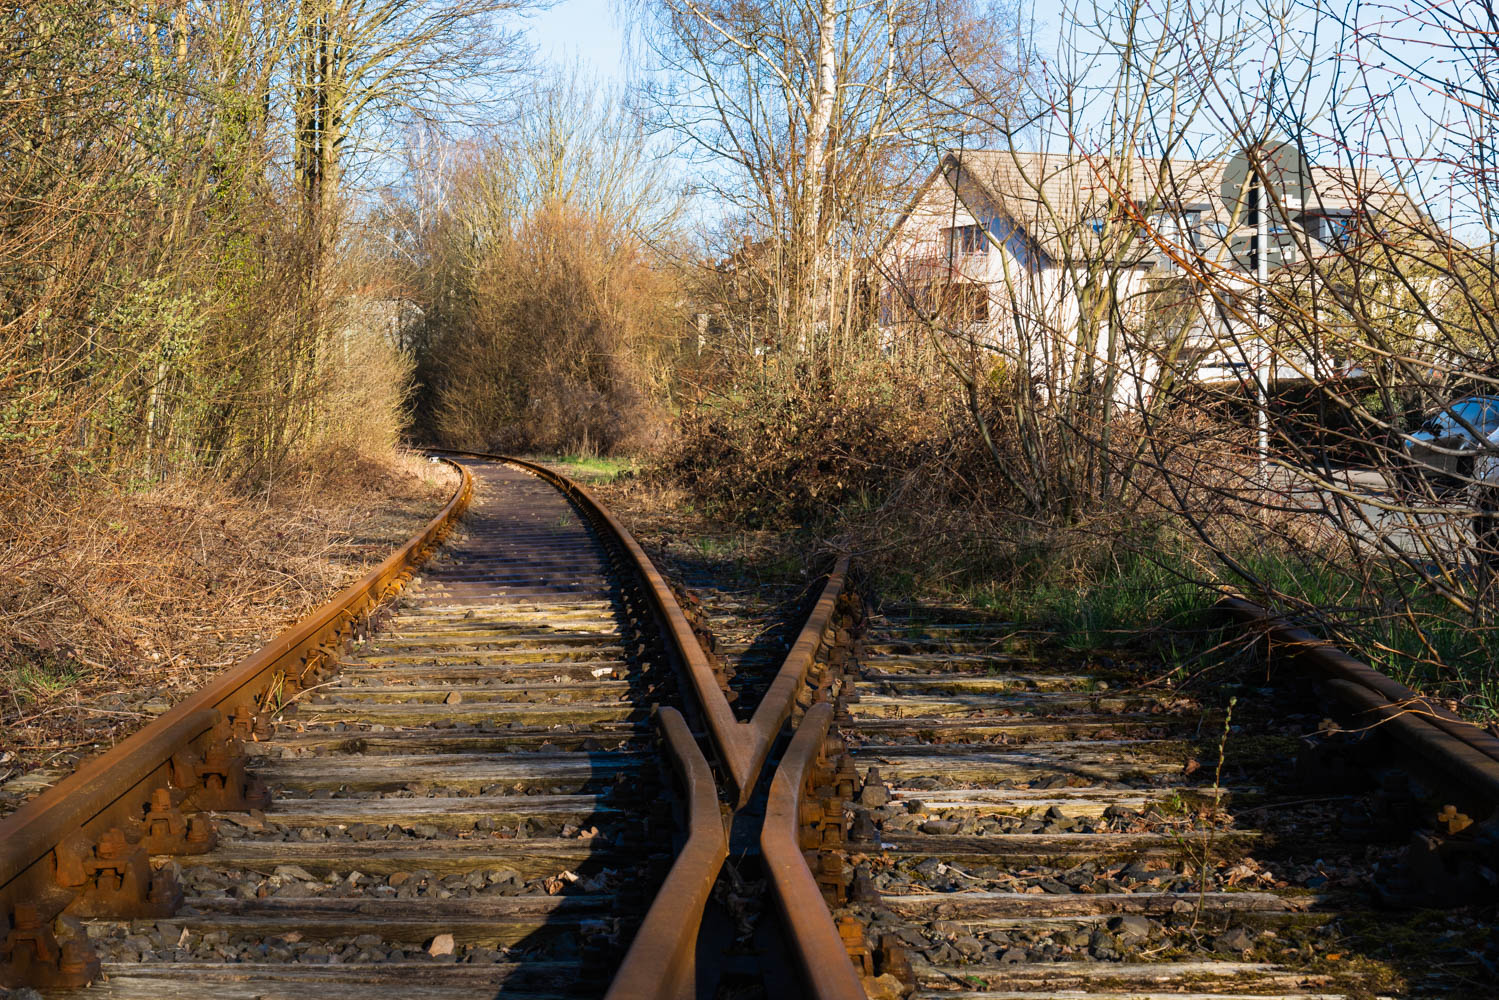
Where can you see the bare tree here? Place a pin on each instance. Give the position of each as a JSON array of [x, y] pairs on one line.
[[362, 73], [805, 123], [1245, 282]]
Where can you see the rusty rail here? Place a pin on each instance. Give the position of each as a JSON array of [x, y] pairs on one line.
[[660, 962], [188, 759], [134, 800], [815, 942], [1430, 725], [741, 746]]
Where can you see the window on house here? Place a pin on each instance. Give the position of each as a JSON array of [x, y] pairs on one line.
[[1180, 226], [1332, 228], [967, 239]]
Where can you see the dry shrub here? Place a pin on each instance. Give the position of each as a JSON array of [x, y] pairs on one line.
[[566, 346], [801, 448], [140, 593], [887, 458], [364, 402]]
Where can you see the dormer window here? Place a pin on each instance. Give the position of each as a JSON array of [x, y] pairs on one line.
[[964, 240]]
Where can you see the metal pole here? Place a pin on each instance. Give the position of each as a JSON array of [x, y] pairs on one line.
[[1262, 370]]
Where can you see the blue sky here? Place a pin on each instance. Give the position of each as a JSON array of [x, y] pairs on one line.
[[586, 30], [591, 33]]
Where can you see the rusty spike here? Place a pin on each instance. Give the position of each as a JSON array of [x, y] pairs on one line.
[[117, 880], [893, 960], [219, 782], [168, 831], [846, 777], [1451, 822], [245, 723], [852, 933], [31, 955], [828, 871]]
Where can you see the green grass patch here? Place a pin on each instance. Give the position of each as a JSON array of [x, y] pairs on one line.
[[587, 468], [1133, 602], [1129, 601], [33, 680], [1403, 630]]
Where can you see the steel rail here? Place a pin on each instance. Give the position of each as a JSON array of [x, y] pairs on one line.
[[661, 960], [741, 746], [1441, 749], [115, 788], [816, 945], [1433, 731]]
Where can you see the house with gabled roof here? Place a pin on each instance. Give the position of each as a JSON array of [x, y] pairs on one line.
[[1064, 264]]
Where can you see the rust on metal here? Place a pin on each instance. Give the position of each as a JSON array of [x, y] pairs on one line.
[[661, 960], [741, 746], [71, 845], [1444, 864], [83, 847], [1429, 728], [819, 948]]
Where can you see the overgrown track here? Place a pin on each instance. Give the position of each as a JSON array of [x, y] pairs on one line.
[[486, 786], [474, 800], [1028, 828]]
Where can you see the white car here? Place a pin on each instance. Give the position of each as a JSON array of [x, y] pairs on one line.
[[1486, 465]]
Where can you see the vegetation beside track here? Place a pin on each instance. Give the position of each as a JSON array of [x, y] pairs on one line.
[[138, 594], [885, 462]]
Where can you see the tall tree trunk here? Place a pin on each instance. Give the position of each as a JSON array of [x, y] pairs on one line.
[[810, 251]]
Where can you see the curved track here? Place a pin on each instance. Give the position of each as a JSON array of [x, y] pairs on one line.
[[526, 775], [473, 800]]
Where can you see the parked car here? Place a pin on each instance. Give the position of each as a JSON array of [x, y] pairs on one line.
[[1484, 494], [1448, 440]]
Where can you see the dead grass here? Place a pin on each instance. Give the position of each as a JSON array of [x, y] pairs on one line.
[[121, 601], [679, 535]]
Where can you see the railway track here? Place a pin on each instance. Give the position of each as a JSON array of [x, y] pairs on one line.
[[479, 785], [471, 800], [527, 766], [1025, 827]]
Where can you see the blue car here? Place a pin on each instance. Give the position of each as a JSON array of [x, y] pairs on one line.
[[1448, 440]]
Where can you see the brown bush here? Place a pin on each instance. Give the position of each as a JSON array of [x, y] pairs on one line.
[[806, 449], [887, 459], [565, 345]]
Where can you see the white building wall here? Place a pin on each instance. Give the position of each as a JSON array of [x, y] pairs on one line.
[[1033, 301]]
